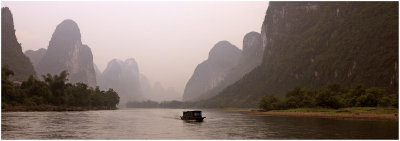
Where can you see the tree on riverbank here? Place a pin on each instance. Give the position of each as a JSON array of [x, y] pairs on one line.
[[331, 96], [54, 91]]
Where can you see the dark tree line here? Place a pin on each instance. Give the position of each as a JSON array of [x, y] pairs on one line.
[[55, 91], [153, 104], [331, 96]]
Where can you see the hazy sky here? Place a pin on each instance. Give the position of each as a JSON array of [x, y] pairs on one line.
[[167, 39]]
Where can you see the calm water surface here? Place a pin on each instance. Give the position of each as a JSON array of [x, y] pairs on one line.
[[165, 124]]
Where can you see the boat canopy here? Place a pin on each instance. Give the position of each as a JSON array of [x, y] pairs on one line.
[[192, 113]]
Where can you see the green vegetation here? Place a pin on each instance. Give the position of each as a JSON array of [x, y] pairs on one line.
[[331, 97], [372, 110], [53, 93], [269, 102]]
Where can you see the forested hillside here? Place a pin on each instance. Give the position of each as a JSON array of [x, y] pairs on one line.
[[313, 44]]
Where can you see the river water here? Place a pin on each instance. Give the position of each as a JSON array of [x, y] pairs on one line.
[[166, 124]]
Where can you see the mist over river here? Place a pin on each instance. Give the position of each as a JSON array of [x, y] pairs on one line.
[[137, 123]]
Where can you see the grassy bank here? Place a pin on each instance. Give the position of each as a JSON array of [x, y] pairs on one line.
[[352, 112], [50, 108], [370, 110]]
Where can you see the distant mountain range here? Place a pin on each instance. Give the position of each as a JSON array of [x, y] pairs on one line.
[[304, 44], [123, 77], [66, 52]]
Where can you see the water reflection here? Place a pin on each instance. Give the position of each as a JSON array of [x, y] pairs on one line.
[[166, 124]]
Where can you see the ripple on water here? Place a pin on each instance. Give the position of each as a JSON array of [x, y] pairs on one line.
[[166, 124]]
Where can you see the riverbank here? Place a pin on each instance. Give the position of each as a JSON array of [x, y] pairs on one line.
[[51, 108], [354, 112]]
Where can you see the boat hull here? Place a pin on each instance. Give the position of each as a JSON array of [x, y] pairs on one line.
[[199, 119]]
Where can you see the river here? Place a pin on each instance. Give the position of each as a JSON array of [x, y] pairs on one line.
[[166, 124]]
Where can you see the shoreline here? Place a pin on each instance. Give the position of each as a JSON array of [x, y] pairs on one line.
[[343, 113], [328, 115], [50, 108]]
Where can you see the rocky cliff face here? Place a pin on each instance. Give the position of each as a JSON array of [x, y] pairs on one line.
[[250, 58], [207, 75], [11, 50], [66, 52], [312, 44], [99, 75], [252, 50], [35, 56], [123, 77]]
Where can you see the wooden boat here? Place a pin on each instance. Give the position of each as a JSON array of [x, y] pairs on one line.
[[192, 115]]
